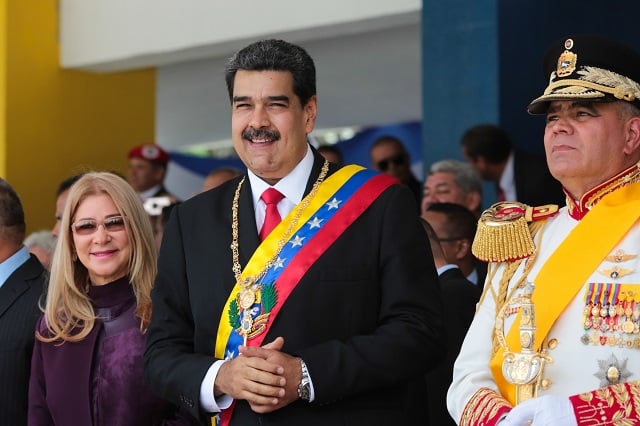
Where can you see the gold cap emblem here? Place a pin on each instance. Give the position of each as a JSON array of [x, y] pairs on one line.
[[567, 60]]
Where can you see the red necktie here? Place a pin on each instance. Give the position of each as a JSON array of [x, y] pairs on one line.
[[271, 198], [500, 193]]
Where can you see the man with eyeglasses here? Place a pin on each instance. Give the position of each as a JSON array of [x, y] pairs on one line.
[[459, 297], [455, 227], [389, 155]]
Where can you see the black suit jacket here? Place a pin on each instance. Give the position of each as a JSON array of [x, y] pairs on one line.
[[534, 184], [460, 297], [481, 269], [365, 317], [19, 312]]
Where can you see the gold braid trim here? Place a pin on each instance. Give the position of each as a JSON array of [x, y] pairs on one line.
[[498, 242], [503, 234], [617, 405], [503, 295], [484, 408], [598, 79]]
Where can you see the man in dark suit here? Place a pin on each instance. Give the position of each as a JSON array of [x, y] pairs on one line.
[[460, 297], [335, 314], [518, 175], [22, 280], [455, 226]]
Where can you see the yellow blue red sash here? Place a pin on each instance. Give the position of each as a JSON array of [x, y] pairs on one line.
[[562, 276], [339, 201]]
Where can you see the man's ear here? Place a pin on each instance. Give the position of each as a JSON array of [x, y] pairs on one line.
[[474, 201], [311, 112], [632, 143], [463, 247]]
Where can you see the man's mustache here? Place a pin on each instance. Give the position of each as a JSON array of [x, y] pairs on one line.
[[261, 134]]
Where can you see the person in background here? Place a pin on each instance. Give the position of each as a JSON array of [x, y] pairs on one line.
[[555, 337], [453, 181], [460, 297], [455, 227], [389, 155], [22, 283], [41, 244], [219, 176], [147, 169], [517, 175], [61, 198], [332, 154], [319, 277], [160, 222], [87, 359]]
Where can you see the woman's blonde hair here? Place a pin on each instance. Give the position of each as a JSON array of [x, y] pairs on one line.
[[68, 311]]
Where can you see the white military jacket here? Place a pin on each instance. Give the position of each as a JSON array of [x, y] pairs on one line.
[[587, 351]]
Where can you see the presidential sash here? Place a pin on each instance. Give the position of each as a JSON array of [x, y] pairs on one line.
[[339, 201], [557, 284]]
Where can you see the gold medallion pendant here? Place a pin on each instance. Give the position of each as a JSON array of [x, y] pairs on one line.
[[246, 298], [251, 307]]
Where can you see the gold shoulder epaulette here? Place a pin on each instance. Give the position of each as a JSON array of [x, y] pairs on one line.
[[503, 232]]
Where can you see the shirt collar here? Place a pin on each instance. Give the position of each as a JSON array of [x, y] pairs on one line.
[[149, 192], [473, 276], [444, 268], [289, 185], [507, 180], [12, 263]]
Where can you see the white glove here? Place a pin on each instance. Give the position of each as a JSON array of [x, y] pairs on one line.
[[548, 410]]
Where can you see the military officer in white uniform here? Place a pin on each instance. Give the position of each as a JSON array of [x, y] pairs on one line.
[[556, 338]]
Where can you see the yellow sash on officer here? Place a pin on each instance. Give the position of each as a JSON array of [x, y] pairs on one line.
[[563, 275]]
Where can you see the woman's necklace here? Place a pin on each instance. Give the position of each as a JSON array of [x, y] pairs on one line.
[[250, 285]]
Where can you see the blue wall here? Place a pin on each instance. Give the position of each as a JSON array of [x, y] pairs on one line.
[[460, 75]]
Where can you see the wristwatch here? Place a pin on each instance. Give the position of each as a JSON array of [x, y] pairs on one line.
[[304, 388]]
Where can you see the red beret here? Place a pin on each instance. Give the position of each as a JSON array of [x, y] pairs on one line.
[[150, 152]]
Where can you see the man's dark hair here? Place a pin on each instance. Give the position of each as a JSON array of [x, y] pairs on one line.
[[391, 140], [461, 222], [488, 141], [12, 226], [275, 55], [67, 183]]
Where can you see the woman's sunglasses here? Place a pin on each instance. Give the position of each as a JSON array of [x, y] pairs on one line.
[[89, 226]]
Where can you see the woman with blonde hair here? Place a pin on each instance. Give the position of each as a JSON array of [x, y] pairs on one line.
[[87, 361]]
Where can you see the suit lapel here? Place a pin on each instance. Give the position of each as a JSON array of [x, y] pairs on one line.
[[247, 228], [10, 292], [16, 284], [318, 161]]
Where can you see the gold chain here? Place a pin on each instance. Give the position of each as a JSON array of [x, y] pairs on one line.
[[237, 269]]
